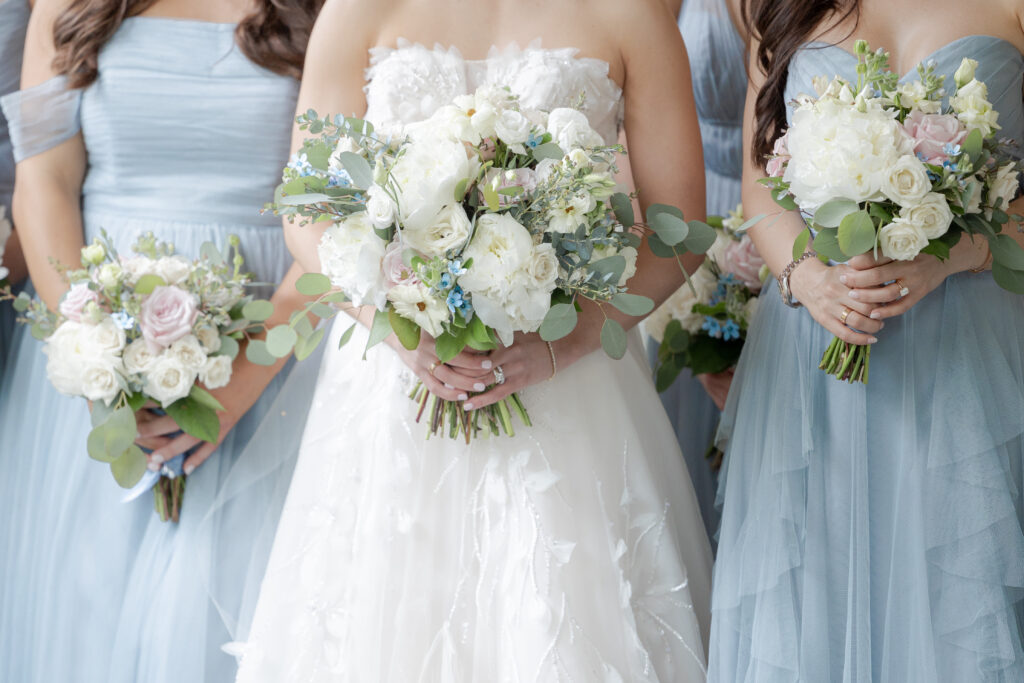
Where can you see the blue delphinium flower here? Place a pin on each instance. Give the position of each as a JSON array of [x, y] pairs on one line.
[[123, 320], [730, 330], [339, 178], [458, 302], [712, 327]]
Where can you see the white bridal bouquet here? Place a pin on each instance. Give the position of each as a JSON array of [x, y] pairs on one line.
[[486, 220], [703, 327], [152, 329], [887, 166]]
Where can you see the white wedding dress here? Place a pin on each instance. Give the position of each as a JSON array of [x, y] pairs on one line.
[[571, 552]]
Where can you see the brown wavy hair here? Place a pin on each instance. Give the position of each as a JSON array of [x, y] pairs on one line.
[[782, 26], [274, 35]]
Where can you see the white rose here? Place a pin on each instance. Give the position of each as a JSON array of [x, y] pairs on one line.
[[93, 254], [932, 215], [137, 266], [448, 232], [109, 275], [483, 120], [168, 380], [907, 181], [65, 359], [1004, 186], [105, 338], [189, 352], [512, 127], [138, 358], [216, 372], [100, 380], [965, 72], [416, 303], [351, 255], [173, 269], [569, 129], [427, 174], [902, 240], [380, 207], [209, 337], [542, 266]]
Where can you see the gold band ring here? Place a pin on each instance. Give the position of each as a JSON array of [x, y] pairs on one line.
[[845, 315], [433, 366]]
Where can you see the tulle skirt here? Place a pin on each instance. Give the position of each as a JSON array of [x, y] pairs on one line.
[[875, 533], [573, 551], [96, 590]]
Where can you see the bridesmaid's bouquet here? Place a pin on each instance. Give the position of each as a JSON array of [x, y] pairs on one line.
[[886, 166], [703, 327], [152, 329], [486, 220]]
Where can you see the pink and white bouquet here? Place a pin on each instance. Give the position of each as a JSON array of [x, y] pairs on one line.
[[486, 220], [152, 329], [703, 327], [890, 167]]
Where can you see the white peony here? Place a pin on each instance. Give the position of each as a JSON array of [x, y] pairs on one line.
[[570, 129], [448, 232], [216, 372], [418, 304], [350, 255], [453, 121], [906, 181], [931, 215], [168, 380], [83, 360], [173, 269], [902, 240], [380, 207], [189, 352], [513, 128], [1004, 185], [138, 358]]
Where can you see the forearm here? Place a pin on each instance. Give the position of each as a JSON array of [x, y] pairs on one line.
[[14, 259]]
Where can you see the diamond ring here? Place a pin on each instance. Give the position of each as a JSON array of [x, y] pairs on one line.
[[499, 375], [904, 290]]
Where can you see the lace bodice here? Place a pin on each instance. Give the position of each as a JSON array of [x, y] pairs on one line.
[[408, 83]]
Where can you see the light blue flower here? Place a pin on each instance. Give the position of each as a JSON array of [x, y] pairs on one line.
[[300, 164], [123, 320], [730, 330], [712, 327], [458, 302], [455, 267]]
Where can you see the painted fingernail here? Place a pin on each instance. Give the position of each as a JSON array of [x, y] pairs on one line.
[[158, 459], [479, 386], [486, 364], [463, 397], [188, 469], [467, 406], [842, 278], [873, 340], [153, 467], [854, 295], [448, 386], [876, 315]]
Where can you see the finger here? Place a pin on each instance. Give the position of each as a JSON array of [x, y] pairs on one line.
[[437, 388], [176, 447], [879, 295], [459, 381], [868, 260], [471, 361], [157, 425], [895, 308], [847, 334], [198, 458], [873, 277], [490, 397], [153, 442], [863, 323]]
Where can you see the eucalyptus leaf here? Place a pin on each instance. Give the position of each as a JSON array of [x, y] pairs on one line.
[[701, 237], [1011, 280], [304, 199], [112, 436], [379, 331], [305, 346], [826, 243], [302, 326], [613, 338], [358, 169], [632, 304], [347, 336], [147, 283], [856, 233], [1007, 252], [609, 269], [228, 347], [800, 243], [22, 302], [669, 228], [281, 340], [195, 419], [784, 199], [200, 395], [313, 284], [256, 353], [211, 253], [560, 321], [623, 208], [750, 222], [258, 310], [406, 330], [548, 150], [129, 467], [830, 214]]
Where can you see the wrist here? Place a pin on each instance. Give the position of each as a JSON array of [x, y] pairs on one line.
[[801, 275]]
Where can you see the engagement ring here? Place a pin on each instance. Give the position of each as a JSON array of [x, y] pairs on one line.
[[499, 375]]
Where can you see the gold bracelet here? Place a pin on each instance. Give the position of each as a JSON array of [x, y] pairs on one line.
[[987, 263], [554, 365]]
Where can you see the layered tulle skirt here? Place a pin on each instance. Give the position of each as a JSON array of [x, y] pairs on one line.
[[93, 589], [875, 533], [573, 551]]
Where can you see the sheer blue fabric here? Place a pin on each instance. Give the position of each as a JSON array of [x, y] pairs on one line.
[[13, 21], [718, 70], [873, 533], [186, 138]]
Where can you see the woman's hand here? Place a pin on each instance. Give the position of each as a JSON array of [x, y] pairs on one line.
[[717, 385], [822, 291], [164, 437], [470, 371], [881, 282], [526, 362]]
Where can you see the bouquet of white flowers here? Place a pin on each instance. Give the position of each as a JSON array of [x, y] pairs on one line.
[[5, 233], [886, 166], [703, 327], [151, 329], [486, 220]]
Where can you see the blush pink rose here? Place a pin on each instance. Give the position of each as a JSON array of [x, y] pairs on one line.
[[742, 260], [74, 302], [520, 177], [780, 155], [167, 315], [395, 271], [932, 132]]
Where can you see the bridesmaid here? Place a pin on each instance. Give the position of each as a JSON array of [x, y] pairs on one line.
[[171, 116], [717, 66], [13, 21], [874, 532]]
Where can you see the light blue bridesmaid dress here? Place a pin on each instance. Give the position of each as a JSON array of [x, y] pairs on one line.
[[186, 138], [873, 533], [13, 21], [718, 70]]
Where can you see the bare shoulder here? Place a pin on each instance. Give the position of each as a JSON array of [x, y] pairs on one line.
[[344, 24], [642, 29]]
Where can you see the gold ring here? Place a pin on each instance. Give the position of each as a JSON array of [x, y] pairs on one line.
[[433, 366], [904, 290], [845, 315]]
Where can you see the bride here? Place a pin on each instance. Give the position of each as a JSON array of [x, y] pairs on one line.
[[573, 551]]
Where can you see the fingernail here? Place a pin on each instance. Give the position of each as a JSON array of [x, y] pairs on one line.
[[873, 340], [479, 386], [448, 386], [158, 459], [153, 467], [467, 406], [463, 397], [486, 364], [876, 315], [188, 469], [881, 326], [842, 278], [854, 295]]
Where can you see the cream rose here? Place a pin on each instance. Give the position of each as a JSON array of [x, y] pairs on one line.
[[512, 127], [449, 231], [100, 380], [138, 358], [173, 269], [380, 207], [907, 181], [189, 352], [168, 380], [216, 372], [569, 129], [542, 266], [1004, 185], [902, 240], [209, 337], [932, 215]]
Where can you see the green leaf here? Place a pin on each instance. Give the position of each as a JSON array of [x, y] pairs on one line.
[[358, 169], [200, 395], [305, 346], [479, 337], [136, 401], [750, 222], [560, 320], [613, 338], [1007, 252], [491, 198], [707, 355], [112, 435], [972, 144], [800, 243], [701, 237], [623, 208], [669, 228], [129, 467], [258, 310], [313, 284], [147, 283], [784, 199], [209, 252], [827, 245], [548, 150], [347, 336], [448, 346], [632, 304], [830, 214], [856, 233], [196, 419], [406, 330], [379, 331], [609, 269], [460, 189], [256, 353], [228, 347], [1011, 280], [323, 311], [281, 340], [305, 199], [22, 302], [334, 298], [938, 249]]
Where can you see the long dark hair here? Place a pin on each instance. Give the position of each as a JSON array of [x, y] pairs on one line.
[[782, 26], [274, 36]]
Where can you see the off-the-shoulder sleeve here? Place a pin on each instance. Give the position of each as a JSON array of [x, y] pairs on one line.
[[41, 117]]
